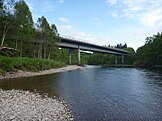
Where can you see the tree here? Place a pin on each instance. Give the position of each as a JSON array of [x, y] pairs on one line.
[[7, 18], [1, 5], [125, 45], [151, 53], [44, 29], [46, 36], [24, 27], [131, 56], [1, 11], [53, 38]]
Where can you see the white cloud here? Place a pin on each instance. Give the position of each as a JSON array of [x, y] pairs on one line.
[[136, 35], [64, 28], [67, 30], [111, 2], [151, 18], [115, 15], [82, 36], [61, 1], [98, 22], [147, 12], [63, 20], [47, 7]]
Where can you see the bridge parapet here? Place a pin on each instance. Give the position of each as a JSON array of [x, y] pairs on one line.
[[77, 39], [89, 44], [79, 44]]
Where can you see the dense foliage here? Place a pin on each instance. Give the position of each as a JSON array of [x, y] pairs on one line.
[[107, 59], [26, 64], [151, 53], [18, 31], [24, 38]]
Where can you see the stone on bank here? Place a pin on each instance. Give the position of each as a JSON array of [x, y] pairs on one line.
[[26, 106]]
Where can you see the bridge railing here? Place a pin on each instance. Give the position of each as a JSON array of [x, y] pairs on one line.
[[86, 41], [77, 39]]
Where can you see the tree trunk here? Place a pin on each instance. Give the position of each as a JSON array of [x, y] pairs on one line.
[[16, 43], [40, 51], [5, 30], [34, 52], [45, 51], [3, 38], [21, 48], [49, 55]]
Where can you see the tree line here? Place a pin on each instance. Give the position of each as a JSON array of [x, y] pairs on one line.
[[38, 40], [106, 59], [18, 31], [151, 52]]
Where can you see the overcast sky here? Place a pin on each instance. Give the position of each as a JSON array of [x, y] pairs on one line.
[[102, 22]]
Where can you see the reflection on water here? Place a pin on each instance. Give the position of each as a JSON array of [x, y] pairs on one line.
[[99, 93], [41, 84]]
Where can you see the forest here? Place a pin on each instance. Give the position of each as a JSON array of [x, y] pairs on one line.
[[30, 39], [24, 38], [150, 53]]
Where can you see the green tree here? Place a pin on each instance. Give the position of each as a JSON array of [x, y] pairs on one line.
[[45, 30], [1, 5], [131, 56], [1, 17], [7, 18], [24, 27], [53, 38], [151, 53], [47, 36]]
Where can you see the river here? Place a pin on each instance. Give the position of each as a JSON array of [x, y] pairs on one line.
[[97, 93]]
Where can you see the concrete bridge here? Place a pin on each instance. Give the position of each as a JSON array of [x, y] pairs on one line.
[[72, 43]]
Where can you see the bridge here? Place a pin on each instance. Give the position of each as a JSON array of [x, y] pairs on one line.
[[72, 43]]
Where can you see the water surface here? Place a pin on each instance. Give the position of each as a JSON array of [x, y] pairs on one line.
[[100, 93]]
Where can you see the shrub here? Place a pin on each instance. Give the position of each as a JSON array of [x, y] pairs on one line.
[[8, 64]]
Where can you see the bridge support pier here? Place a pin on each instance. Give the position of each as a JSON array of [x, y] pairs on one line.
[[122, 59], [78, 55], [70, 56], [116, 59]]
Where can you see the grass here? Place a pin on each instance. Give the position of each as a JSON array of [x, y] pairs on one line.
[[9, 64]]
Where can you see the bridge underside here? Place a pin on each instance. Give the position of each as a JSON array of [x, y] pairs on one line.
[[92, 48]]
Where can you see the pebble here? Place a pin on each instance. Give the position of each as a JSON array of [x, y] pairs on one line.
[[26, 106]]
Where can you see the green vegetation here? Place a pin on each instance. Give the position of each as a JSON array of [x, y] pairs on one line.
[[8, 64], [37, 40], [106, 59], [130, 58], [32, 46], [25, 45], [150, 54]]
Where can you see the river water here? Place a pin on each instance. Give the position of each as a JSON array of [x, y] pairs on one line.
[[100, 93]]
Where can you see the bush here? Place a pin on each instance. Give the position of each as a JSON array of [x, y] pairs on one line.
[[8, 64]]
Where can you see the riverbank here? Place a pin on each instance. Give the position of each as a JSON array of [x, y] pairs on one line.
[[13, 64], [21, 73], [132, 66], [26, 106], [120, 65]]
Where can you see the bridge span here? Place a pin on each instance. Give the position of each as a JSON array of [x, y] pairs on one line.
[[71, 44]]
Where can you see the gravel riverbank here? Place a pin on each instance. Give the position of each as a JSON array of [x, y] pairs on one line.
[[18, 105], [28, 74]]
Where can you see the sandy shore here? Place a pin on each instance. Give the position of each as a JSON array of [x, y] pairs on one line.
[[45, 72]]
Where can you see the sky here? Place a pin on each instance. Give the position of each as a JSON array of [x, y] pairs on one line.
[[102, 22]]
